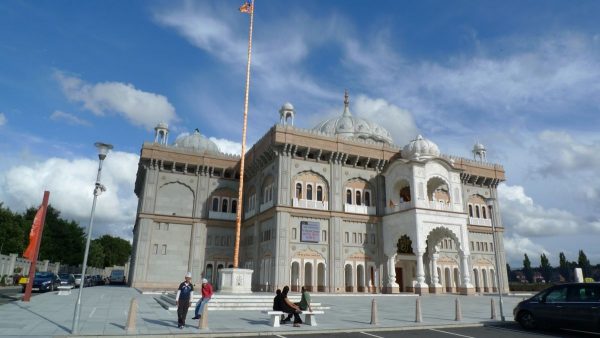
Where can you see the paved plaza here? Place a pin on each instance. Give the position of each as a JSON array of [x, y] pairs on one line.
[[105, 308]]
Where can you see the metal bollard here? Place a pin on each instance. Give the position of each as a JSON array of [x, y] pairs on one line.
[[458, 317], [373, 312], [203, 322], [493, 310], [418, 315], [131, 317]]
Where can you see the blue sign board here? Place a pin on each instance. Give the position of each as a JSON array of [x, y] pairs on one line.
[[310, 231]]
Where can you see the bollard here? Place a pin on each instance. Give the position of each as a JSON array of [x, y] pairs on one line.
[[418, 316], [131, 317], [373, 312], [203, 322], [493, 310], [458, 311]]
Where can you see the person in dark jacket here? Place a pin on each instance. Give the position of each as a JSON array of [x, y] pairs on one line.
[[290, 308], [185, 293], [277, 303]]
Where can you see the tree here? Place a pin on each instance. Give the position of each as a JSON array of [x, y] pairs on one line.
[[510, 274], [584, 263], [527, 269], [116, 250], [96, 254], [563, 266], [11, 231], [545, 268], [62, 241]]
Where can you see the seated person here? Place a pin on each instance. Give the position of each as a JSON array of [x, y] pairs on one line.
[[304, 301], [290, 308]]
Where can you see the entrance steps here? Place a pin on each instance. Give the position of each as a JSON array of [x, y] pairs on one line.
[[220, 302]]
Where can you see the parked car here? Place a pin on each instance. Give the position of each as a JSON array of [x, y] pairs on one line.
[[117, 277], [66, 279], [44, 281], [572, 305], [99, 280]]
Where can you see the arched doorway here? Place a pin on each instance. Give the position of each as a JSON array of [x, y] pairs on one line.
[[208, 274], [295, 276], [219, 267], [308, 276], [476, 278], [348, 278], [372, 285], [485, 281], [448, 279], [321, 277], [360, 278], [493, 278], [457, 282]]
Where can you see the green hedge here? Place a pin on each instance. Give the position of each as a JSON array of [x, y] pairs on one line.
[[531, 287]]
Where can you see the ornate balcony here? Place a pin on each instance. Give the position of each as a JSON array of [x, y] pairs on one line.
[[310, 204], [480, 221], [228, 216], [266, 205], [249, 213], [398, 207], [360, 209]]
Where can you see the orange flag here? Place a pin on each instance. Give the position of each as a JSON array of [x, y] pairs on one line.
[[34, 233], [247, 7]]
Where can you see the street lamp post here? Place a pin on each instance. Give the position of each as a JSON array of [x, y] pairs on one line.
[[103, 149], [490, 203]]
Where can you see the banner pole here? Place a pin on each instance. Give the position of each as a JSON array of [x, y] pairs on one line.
[[27, 295]]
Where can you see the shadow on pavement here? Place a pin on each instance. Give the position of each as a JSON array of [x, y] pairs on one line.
[[39, 315], [256, 322], [169, 323]]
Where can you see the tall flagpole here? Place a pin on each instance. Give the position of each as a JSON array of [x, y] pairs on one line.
[[238, 216]]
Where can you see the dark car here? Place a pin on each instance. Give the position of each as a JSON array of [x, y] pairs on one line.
[[66, 279], [44, 281], [573, 305]]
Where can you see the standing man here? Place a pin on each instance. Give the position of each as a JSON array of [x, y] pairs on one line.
[[185, 293], [207, 293]]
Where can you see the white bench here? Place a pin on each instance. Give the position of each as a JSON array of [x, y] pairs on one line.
[[64, 290], [309, 317]]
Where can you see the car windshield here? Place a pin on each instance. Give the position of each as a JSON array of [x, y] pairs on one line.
[[43, 274], [77, 276], [64, 275]]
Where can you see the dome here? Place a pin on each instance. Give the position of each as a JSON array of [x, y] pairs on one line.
[[478, 147], [287, 106], [420, 148], [196, 142], [161, 125], [349, 126]]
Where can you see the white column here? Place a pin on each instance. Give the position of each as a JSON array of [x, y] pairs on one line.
[[420, 271], [466, 279], [436, 278]]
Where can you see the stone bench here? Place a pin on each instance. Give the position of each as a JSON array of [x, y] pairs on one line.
[[64, 290], [309, 317]]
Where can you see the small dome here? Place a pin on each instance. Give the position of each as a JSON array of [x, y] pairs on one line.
[[161, 125], [420, 148], [478, 147], [196, 142], [287, 106], [349, 126]]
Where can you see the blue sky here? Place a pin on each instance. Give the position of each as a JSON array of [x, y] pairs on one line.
[[522, 77]]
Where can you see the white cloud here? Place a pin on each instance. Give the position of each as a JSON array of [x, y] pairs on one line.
[[71, 183], [397, 121], [228, 146], [58, 115], [562, 155], [516, 246], [139, 107], [524, 217], [2, 119]]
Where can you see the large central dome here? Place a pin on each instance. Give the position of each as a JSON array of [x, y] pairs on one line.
[[197, 143], [349, 126]]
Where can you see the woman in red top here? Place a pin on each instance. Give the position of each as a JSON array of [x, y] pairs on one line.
[[207, 293]]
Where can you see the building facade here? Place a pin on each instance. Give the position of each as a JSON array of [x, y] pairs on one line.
[[337, 208]]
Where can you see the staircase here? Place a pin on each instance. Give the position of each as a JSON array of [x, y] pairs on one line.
[[221, 302]]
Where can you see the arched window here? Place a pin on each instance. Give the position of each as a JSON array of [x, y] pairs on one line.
[[470, 210], [299, 191], [319, 193], [477, 211], [234, 206], [309, 192], [483, 211], [224, 205], [358, 197], [348, 196], [367, 198], [215, 205]]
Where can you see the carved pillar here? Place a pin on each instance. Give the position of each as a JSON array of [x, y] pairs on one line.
[[390, 285], [421, 287], [435, 286], [466, 288]]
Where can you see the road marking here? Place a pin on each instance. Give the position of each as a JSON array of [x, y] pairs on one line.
[[92, 313], [452, 333], [279, 336], [514, 330], [586, 332], [372, 335]]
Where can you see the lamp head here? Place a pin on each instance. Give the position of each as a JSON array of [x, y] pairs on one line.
[[103, 149]]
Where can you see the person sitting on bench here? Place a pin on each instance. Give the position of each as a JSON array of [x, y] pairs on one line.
[[304, 304], [290, 308]]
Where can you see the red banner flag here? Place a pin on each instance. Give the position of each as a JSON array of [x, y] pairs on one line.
[[34, 234], [247, 7]]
